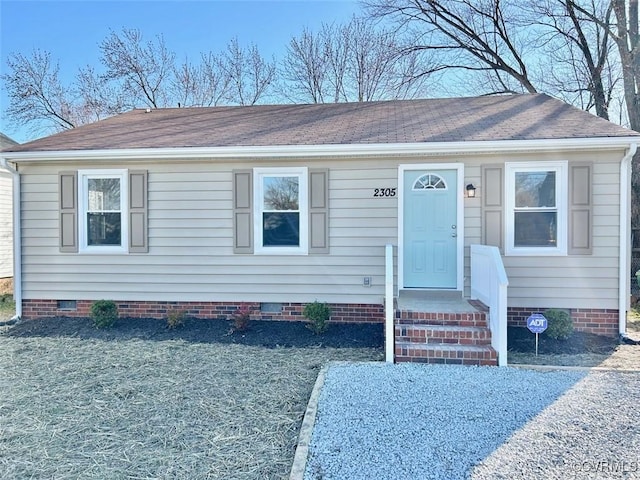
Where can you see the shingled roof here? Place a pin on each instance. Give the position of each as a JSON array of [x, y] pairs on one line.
[[513, 117]]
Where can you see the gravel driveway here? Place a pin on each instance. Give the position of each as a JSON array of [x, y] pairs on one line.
[[408, 421]]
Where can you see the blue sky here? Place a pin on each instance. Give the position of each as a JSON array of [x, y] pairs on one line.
[[72, 30]]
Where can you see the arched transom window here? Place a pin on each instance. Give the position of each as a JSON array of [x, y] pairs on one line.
[[430, 181]]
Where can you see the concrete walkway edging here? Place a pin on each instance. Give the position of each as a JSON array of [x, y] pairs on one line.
[[306, 430]]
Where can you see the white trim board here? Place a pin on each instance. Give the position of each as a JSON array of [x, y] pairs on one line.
[[297, 151]]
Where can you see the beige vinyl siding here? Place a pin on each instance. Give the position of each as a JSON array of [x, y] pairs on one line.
[[6, 225], [577, 281], [191, 257], [190, 254]]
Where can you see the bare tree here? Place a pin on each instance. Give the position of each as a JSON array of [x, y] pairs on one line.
[[305, 67], [249, 73], [372, 59], [201, 85], [351, 62], [580, 65], [97, 97], [136, 72], [144, 68], [562, 47], [411, 78], [336, 43], [626, 35], [186, 84], [476, 36], [216, 79], [37, 96]]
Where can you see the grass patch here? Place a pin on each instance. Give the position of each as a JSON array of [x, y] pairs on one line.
[[573, 360], [633, 320], [90, 408], [7, 307]]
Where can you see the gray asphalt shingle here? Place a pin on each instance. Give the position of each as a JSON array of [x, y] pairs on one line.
[[510, 117]]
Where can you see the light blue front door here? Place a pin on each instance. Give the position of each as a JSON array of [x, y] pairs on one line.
[[430, 230]]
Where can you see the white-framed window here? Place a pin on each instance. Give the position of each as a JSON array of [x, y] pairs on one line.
[[536, 208], [281, 210], [103, 226]]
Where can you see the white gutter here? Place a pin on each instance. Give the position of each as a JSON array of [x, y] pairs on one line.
[[625, 249], [298, 151], [17, 241]]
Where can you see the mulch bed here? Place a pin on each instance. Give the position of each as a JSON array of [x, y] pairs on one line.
[[273, 334], [523, 341], [270, 334]]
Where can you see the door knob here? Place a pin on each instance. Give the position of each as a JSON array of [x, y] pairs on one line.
[[454, 234]]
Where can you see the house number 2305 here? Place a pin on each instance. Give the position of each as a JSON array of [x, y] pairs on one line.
[[384, 192]]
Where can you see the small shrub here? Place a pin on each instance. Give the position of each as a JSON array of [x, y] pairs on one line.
[[318, 315], [104, 313], [241, 318], [559, 324], [176, 319]]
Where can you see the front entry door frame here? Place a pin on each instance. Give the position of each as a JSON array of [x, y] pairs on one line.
[[459, 167]]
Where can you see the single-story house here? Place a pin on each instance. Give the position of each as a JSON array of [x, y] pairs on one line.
[[6, 215], [275, 206]]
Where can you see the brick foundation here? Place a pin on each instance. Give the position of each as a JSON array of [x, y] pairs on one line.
[[598, 321], [591, 320], [341, 313]]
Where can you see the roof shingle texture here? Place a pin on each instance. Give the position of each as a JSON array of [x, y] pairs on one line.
[[513, 117]]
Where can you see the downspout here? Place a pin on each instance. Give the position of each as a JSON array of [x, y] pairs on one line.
[[17, 240], [625, 249]]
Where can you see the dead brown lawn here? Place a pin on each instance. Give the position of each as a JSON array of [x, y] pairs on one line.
[[133, 408], [6, 286]]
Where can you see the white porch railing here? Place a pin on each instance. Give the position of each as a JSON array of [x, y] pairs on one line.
[[489, 284], [389, 334]]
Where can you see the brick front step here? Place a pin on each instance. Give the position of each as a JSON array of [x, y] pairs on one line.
[[445, 334], [446, 354], [465, 319]]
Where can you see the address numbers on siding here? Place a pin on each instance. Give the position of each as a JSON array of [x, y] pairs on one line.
[[384, 192]]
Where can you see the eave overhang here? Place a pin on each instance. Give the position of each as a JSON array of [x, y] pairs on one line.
[[319, 151]]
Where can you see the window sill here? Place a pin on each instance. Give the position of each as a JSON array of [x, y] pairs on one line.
[[103, 251], [280, 251], [535, 252]]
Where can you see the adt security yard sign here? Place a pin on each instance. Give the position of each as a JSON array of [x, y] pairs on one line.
[[537, 323]]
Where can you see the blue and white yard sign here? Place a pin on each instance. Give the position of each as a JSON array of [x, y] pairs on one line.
[[537, 323]]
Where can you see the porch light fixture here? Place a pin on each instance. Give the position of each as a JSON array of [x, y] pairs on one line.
[[471, 190]]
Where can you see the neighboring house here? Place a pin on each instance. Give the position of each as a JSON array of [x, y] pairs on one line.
[[205, 208], [6, 215]]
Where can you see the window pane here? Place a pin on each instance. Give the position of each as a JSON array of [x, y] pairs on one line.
[[280, 193], [104, 229], [280, 229], [535, 189], [536, 229], [104, 194]]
